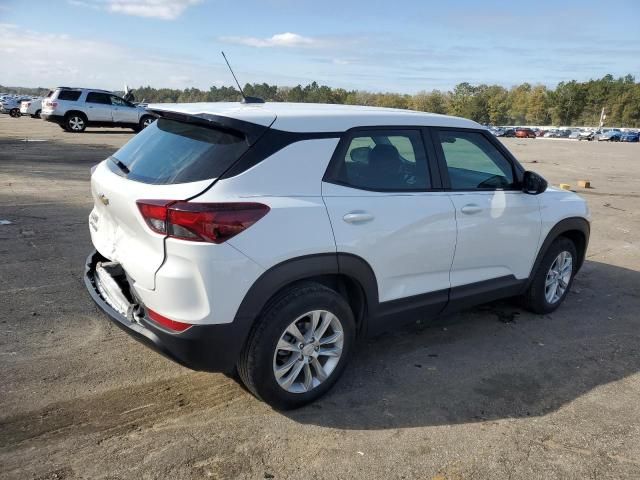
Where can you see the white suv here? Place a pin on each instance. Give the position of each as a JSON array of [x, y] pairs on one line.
[[268, 237], [75, 109]]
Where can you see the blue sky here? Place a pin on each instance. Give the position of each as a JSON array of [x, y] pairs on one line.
[[399, 46]]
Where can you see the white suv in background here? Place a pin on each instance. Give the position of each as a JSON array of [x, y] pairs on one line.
[[75, 109], [268, 237]]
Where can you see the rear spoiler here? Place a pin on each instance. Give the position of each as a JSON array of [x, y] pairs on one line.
[[250, 131]]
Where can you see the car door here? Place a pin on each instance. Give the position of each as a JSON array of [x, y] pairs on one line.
[[498, 224], [99, 107], [387, 208], [123, 111]]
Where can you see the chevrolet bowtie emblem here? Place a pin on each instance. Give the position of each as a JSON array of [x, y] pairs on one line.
[[103, 199]]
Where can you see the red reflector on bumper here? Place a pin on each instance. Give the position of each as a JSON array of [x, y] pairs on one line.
[[167, 322]]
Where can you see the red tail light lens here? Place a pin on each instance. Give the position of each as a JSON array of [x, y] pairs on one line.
[[200, 222], [154, 213], [167, 322]]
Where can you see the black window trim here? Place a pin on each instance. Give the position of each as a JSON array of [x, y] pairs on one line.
[[330, 175], [517, 169]]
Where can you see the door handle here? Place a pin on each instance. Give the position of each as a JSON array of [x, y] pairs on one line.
[[357, 217], [471, 209]]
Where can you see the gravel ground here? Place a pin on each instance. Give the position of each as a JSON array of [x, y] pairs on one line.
[[493, 392]]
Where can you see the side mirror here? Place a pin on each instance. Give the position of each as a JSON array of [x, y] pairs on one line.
[[533, 184]]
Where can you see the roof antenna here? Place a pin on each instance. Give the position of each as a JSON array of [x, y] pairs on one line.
[[245, 99]]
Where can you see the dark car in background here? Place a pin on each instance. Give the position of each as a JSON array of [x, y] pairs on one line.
[[525, 133]]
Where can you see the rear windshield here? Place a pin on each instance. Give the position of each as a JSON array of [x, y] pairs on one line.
[[168, 152]]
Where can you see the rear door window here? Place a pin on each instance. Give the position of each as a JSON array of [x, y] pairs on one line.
[[169, 152], [393, 160], [72, 95]]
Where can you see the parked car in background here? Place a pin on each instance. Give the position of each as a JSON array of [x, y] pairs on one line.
[[612, 135], [525, 133], [540, 133], [11, 105], [574, 134], [509, 133], [630, 137], [31, 107], [75, 109], [267, 239], [588, 135]]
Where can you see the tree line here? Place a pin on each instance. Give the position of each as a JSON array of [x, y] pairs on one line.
[[570, 103]]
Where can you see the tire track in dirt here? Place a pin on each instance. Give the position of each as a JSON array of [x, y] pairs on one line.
[[120, 410]]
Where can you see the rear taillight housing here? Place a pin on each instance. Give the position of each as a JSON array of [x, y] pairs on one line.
[[200, 222]]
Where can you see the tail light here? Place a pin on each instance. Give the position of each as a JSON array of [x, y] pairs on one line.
[[200, 222], [167, 323]]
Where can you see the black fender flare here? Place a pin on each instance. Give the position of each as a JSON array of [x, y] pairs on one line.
[[563, 226], [298, 269]]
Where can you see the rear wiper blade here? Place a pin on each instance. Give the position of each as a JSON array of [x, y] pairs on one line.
[[120, 165]]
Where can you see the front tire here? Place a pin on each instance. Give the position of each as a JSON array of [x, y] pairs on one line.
[[553, 278], [299, 347]]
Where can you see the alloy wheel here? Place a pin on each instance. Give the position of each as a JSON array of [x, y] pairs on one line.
[[308, 351], [558, 277], [76, 123]]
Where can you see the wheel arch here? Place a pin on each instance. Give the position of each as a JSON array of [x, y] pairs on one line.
[[576, 229], [76, 112], [349, 275]]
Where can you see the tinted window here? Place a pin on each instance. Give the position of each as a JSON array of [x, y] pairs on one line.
[[168, 152], [72, 95], [474, 163], [119, 102], [97, 97], [384, 161]]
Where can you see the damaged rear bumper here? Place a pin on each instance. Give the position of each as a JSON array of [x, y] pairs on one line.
[[213, 348]]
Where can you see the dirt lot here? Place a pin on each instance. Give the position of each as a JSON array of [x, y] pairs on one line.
[[494, 392]]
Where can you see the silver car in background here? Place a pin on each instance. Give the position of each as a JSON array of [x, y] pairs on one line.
[[75, 109]]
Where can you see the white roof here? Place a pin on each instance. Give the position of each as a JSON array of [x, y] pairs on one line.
[[315, 117]]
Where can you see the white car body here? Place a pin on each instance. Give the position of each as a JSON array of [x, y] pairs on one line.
[[422, 247], [77, 108], [31, 107]]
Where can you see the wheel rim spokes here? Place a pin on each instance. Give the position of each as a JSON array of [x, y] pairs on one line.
[[76, 123], [558, 277], [308, 351]]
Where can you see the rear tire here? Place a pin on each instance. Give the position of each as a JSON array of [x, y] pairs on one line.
[[75, 122], [288, 370], [37, 115], [14, 112], [553, 278]]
